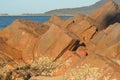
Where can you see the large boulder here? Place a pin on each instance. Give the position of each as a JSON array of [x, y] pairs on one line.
[[24, 35], [84, 29], [108, 37], [106, 42], [55, 20], [112, 51], [9, 55], [23, 42], [29, 26], [107, 14], [73, 20], [54, 42]]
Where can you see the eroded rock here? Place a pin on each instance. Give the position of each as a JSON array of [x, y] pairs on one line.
[[107, 14]]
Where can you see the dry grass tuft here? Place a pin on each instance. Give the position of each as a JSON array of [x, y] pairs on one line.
[[45, 66], [84, 72]]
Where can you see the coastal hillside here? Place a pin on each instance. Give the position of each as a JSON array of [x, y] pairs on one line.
[[83, 10]]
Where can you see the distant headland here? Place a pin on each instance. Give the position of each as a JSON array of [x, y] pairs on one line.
[[67, 11]]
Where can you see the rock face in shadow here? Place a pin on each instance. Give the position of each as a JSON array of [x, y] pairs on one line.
[[107, 14], [85, 43]]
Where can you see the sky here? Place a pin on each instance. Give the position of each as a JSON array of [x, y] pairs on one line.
[[40, 6]]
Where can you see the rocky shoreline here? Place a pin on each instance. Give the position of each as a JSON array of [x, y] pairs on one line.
[[79, 48]]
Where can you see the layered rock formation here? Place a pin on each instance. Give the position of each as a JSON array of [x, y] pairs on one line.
[[107, 14], [54, 42], [22, 35], [55, 20], [71, 21], [9, 55], [84, 29], [89, 42], [107, 41]]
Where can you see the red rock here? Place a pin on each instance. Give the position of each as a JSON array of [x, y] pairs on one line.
[[78, 38], [53, 42], [29, 26], [106, 42], [72, 60], [82, 52], [55, 20], [22, 35], [109, 36], [9, 55], [106, 14], [112, 51], [85, 30], [73, 20]]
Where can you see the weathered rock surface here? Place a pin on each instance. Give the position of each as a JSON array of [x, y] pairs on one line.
[[28, 26], [54, 42], [107, 14], [9, 55], [73, 20], [105, 39], [84, 30], [93, 40], [55, 20], [22, 35]]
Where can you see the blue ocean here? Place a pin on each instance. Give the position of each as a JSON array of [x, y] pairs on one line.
[[6, 20]]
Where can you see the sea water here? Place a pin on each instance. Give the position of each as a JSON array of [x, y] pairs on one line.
[[6, 20]]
